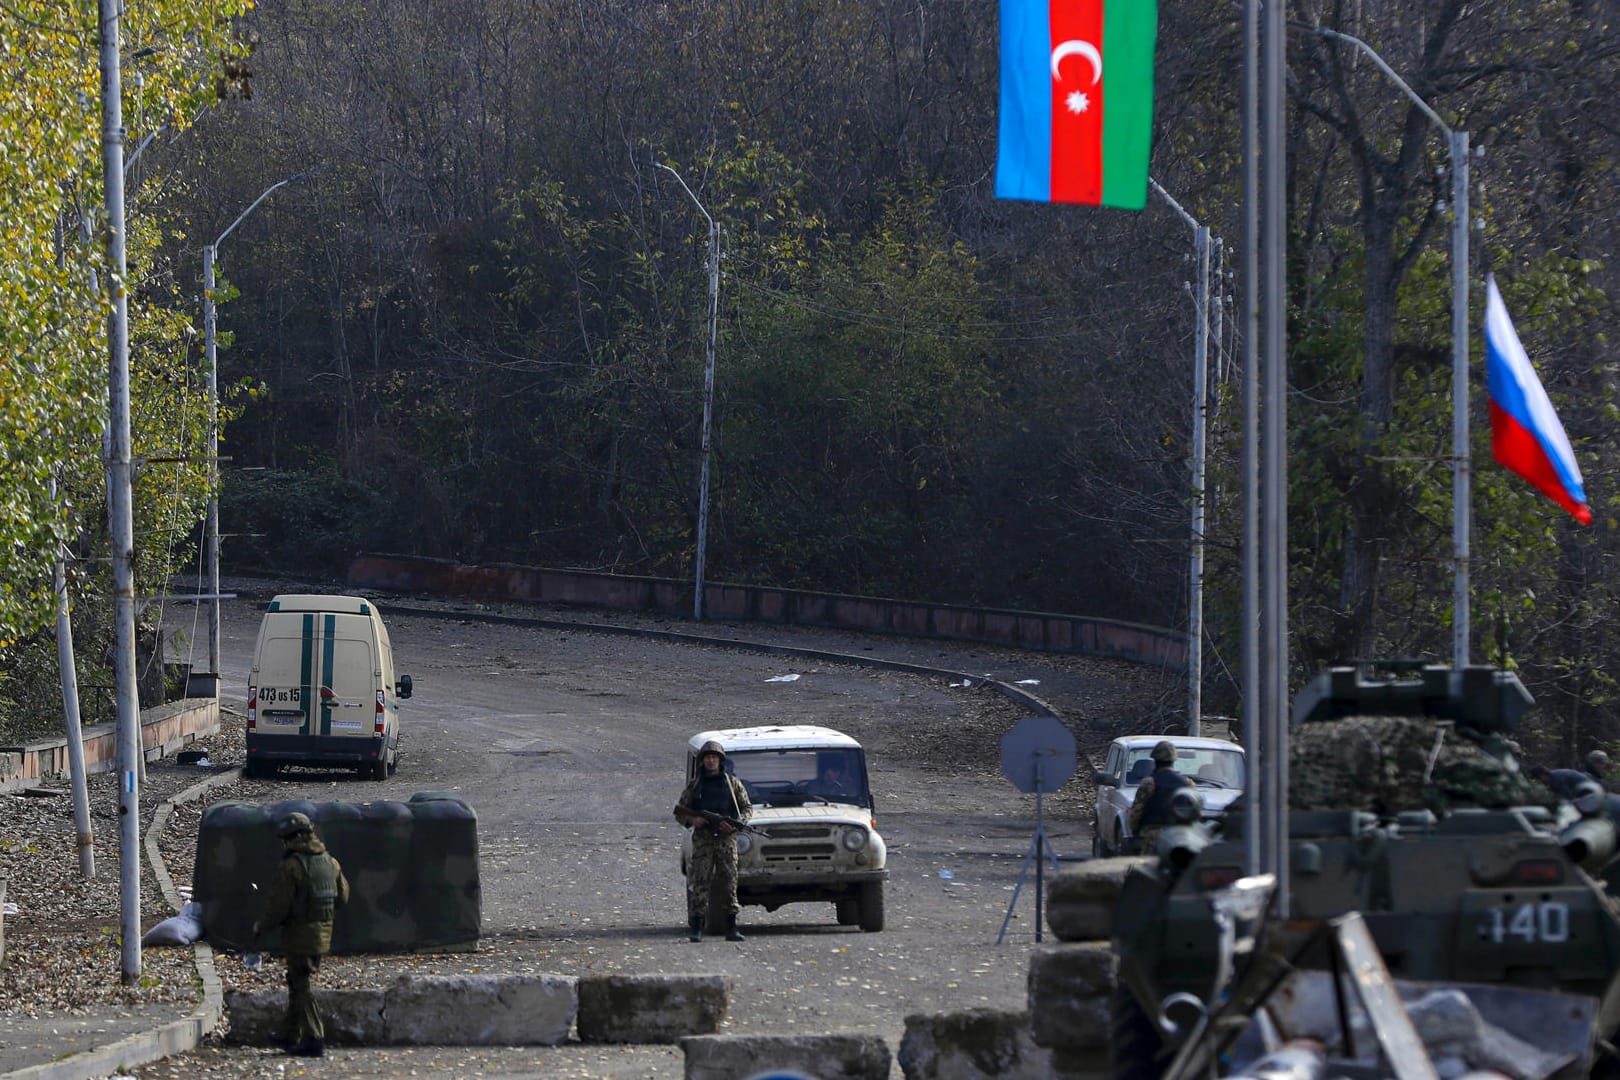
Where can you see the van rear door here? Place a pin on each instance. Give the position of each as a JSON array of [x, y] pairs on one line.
[[318, 673]]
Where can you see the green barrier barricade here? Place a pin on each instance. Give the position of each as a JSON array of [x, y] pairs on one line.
[[412, 870]]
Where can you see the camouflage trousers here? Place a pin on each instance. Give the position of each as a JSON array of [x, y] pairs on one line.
[[303, 1019], [1146, 840], [714, 866]]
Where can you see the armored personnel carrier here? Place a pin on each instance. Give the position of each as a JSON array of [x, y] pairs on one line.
[[1407, 806]]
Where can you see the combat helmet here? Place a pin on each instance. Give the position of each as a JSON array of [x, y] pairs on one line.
[[1164, 751], [713, 747], [293, 824]]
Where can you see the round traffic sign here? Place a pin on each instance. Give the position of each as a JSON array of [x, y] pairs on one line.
[[1038, 754]]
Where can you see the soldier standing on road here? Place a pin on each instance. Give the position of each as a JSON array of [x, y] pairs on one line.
[[714, 846], [1150, 810], [308, 890]]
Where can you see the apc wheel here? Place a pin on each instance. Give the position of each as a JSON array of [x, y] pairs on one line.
[[871, 906], [1136, 1040], [849, 912]]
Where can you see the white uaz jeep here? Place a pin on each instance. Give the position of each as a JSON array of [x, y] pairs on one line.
[[813, 836]]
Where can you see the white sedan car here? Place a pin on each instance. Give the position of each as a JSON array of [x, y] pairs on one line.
[[1215, 765]]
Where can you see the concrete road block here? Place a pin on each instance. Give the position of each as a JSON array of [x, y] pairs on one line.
[[825, 1057], [976, 1044], [1071, 987], [351, 1017], [480, 1010], [650, 1008], [1080, 904]]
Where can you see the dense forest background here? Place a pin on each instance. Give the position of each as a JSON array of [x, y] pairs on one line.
[[474, 326]]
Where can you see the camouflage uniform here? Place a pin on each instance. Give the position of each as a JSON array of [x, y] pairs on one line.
[[308, 889], [714, 855], [1387, 764], [1146, 836]]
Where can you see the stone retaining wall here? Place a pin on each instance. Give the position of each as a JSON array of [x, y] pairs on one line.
[[1157, 645], [165, 729]]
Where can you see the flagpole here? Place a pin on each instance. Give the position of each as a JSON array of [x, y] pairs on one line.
[[1461, 463]]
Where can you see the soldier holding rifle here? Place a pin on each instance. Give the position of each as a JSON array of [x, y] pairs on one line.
[[714, 805]]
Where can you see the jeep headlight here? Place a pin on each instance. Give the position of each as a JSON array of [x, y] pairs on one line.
[[854, 839], [745, 841]]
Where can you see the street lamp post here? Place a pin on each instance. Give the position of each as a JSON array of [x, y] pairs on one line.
[[1461, 465], [1195, 599], [708, 392], [211, 528]]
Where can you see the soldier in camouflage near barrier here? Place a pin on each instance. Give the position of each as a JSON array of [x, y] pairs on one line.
[[308, 890], [714, 843]]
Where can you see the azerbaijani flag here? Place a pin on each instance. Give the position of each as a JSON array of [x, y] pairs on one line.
[[1076, 100], [1526, 436]]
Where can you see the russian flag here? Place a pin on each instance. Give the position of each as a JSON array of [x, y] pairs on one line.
[[1526, 436]]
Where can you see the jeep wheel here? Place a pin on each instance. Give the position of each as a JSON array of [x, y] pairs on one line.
[[1136, 1041], [849, 912], [871, 906]]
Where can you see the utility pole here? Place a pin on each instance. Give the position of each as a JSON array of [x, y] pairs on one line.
[[119, 500], [708, 392]]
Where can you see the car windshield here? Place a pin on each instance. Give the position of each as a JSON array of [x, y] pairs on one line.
[[1212, 766], [798, 776]]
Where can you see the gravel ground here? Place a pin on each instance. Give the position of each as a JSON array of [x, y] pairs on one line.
[[63, 941]]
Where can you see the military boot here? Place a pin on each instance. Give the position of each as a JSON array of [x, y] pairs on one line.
[[732, 933], [694, 928]]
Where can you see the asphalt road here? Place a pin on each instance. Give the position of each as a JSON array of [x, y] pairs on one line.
[[569, 745]]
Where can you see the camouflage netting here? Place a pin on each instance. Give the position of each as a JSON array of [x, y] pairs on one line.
[[1379, 764]]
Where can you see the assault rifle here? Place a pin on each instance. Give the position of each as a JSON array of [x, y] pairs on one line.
[[715, 819]]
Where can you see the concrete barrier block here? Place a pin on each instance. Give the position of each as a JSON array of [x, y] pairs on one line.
[[1080, 904], [1071, 987], [351, 1017], [825, 1057], [650, 1008], [480, 1010], [976, 1044]]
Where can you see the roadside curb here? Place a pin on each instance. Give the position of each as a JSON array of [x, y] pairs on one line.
[[175, 1037]]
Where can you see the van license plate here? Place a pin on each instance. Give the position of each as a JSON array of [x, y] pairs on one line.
[[352, 725]]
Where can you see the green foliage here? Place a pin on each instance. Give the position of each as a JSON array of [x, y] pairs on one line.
[[54, 312], [314, 521]]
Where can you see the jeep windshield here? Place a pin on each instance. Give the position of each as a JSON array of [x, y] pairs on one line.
[[800, 777]]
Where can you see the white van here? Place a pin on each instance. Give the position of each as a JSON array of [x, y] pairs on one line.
[[322, 690]]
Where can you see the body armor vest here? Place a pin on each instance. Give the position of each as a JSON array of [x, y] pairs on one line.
[[714, 795], [320, 897], [1166, 782]]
